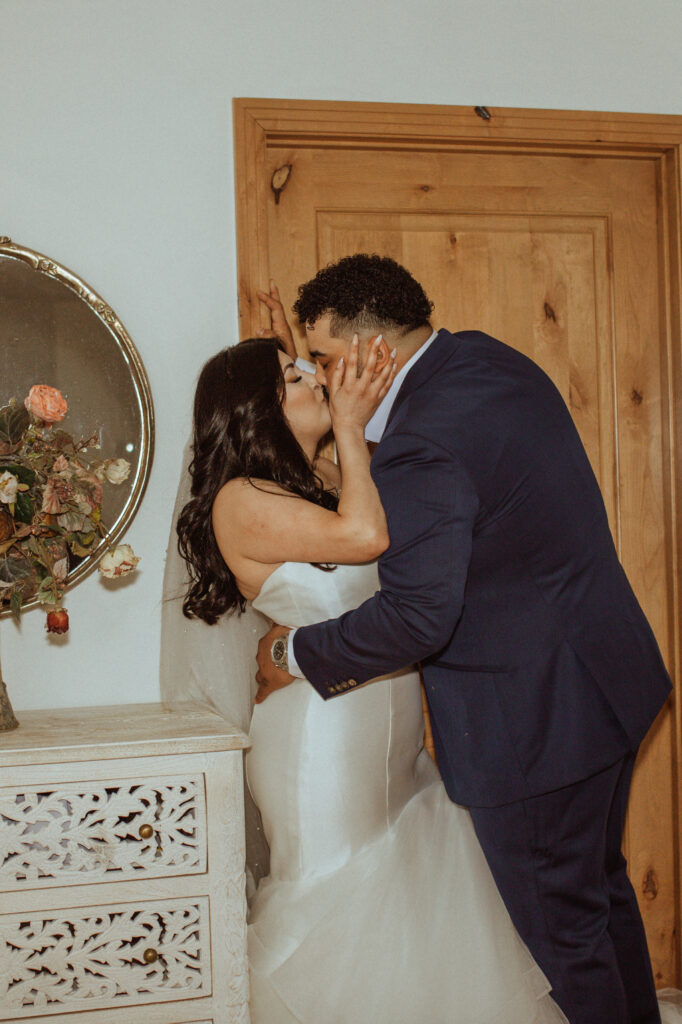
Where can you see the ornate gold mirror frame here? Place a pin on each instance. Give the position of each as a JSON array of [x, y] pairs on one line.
[[56, 330]]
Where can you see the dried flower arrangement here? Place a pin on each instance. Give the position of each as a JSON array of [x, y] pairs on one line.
[[51, 505]]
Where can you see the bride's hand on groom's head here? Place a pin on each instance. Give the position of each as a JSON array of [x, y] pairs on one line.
[[355, 394], [279, 325]]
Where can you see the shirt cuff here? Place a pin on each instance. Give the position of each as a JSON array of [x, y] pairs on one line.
[[294, 670]]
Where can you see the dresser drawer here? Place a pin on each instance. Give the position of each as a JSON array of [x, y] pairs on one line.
[[87, 958], [81, 832]]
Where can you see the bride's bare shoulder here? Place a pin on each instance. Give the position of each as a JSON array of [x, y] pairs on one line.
[[237, 518], [241, 493]]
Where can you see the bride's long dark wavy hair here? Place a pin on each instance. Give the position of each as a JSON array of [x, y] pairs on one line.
[[240, 430]]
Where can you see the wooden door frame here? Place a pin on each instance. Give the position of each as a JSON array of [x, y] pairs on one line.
[[263, 124]]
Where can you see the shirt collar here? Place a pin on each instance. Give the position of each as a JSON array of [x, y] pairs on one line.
[[374, 430]]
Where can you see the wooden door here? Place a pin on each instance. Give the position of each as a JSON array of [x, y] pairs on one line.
[[561, 244]]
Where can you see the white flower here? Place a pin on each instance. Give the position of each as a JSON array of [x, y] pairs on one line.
[[117, 470], [8, 487], [119, 562]]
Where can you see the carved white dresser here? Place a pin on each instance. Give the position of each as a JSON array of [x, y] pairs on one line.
[[122, 896]]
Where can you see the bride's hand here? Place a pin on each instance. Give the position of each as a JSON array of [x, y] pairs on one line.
[[354, 399], [279, 325]]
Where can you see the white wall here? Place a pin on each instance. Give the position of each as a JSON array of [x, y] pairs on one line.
[[116, 160]]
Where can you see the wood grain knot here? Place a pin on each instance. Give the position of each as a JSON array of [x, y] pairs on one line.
[[636, 396], [279, 179], [426, 188], [576, 399], [650, 885], [549, 312], [453, 239]]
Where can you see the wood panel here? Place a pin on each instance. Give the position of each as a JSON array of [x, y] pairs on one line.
[[558, 232]]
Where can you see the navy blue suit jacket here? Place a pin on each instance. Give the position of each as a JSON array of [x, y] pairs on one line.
[[501, 578]]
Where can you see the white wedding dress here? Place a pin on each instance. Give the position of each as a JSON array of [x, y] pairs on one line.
[[379, 907]]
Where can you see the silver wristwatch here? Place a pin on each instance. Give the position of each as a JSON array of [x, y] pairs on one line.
[[279, 652]]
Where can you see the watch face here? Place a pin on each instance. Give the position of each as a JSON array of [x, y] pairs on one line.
[[279, 649]]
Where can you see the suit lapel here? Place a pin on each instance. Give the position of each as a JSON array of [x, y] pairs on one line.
[[438, 353]]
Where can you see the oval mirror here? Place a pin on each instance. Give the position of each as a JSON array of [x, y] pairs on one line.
[[55, 330]]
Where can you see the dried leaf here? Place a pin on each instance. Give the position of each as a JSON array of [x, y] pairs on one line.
[[17, 570], [14, 420], [79, 549], [23, 473], [74, 522], [46, 591], [25, 507]]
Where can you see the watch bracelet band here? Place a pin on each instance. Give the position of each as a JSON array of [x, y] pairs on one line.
[[279, 653]]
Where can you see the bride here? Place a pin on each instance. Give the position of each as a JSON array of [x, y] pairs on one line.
[[379, 905]]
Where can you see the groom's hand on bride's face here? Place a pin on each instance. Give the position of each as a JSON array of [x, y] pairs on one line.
[[269, 677]]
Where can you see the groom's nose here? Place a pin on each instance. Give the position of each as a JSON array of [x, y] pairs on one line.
[[320, 376]]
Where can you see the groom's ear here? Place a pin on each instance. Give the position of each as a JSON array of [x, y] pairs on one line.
[[383, 354]]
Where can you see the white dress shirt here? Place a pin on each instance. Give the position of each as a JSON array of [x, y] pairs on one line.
[[374, 431]]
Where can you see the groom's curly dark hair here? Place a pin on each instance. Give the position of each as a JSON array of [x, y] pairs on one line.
[[364, 292]]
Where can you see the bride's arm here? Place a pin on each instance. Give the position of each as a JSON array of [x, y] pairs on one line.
[[279, 325], [261, 522]]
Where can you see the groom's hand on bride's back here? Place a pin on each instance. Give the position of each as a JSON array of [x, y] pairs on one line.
[[269, 677]]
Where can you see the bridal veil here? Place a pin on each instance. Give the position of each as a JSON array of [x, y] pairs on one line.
[[214, 665]]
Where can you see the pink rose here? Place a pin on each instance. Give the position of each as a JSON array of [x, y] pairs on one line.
[[46, 403], [60, 464]]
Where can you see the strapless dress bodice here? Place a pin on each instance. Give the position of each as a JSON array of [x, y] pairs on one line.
[[299, 594], [352, 761]]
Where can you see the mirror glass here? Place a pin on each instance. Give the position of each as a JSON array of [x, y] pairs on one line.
[[55, 330]]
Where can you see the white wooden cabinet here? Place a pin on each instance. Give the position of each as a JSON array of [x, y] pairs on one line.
[[122, 890]]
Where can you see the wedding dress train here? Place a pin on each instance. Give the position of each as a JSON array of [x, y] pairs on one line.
[[379, 907]]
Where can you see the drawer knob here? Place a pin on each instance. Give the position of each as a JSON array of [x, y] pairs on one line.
[[146, 831], [150, 956]]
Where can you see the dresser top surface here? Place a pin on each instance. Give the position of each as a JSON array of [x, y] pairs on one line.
[[117, 730]]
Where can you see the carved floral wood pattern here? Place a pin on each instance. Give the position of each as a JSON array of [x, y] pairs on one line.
[[92, 830], [84, 896], [233, 955], [87, 957]]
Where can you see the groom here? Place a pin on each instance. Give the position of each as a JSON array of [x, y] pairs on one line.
[[541, 672]]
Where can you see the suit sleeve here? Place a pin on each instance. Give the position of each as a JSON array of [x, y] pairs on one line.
[[431, 507]]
